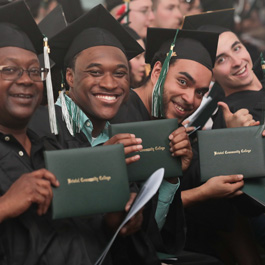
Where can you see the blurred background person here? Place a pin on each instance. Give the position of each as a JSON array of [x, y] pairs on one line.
[[167, 14], [141, 14]]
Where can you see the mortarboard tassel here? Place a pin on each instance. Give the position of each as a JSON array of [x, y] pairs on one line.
[[65, 113], [127, 10], [157, 96], [51, 107]]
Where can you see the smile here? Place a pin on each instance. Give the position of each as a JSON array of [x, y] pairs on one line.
[[22, 96], [107, 97], [242, 71], [179, 107]]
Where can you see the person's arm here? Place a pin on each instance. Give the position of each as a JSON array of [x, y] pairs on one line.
[[214, 188], [34, 187]]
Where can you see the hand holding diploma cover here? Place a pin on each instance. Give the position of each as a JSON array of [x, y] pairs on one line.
[[235, 151], [155, 153], [92, 180], [148, 190]]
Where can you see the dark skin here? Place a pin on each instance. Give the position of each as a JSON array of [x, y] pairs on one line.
[[99, 84], [19, 99]]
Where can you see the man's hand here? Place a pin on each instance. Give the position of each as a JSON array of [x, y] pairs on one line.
[[131, 145], [241, 118], [113, 220], [223, 187], [34, 187], [180, 146]]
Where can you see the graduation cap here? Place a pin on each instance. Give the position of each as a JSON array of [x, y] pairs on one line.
[[193, 45], [217, 21], [18, 28], [210, 5], [72, 9], [95, 28], [181, 44], [110, 4], [53, 23]]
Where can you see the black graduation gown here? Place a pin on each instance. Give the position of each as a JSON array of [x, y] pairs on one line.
[[136, 249], [30, 239], [171, 239]]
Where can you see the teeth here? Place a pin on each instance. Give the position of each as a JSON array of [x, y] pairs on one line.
[[106, 97], [242, 71], [179, 108]]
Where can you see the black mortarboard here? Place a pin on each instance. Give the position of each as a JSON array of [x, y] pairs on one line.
[[210, 5], [18, 28], [72, 9], [95, 28], [215, 21], [132, 32], [53, 23], [110, 4], [192, 45]]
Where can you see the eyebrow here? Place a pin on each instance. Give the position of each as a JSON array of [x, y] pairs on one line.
[[14, 60], [99, 65], [232, 46], [188, 76]]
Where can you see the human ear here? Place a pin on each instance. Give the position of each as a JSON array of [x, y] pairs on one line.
[[70, 77], [156, 72]]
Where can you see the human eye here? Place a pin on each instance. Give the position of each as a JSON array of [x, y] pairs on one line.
[[220, 60], [182, 82], [201, 92], [120, 73], [94, 72], [237, 48], [170, 7], [10, 70], [35, 71]]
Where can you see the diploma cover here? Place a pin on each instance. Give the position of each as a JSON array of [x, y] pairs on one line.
[[232, 151], [155, 153], [92, 180]]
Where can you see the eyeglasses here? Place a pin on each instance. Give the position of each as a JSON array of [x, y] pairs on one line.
[[13, 73], [145, 12]]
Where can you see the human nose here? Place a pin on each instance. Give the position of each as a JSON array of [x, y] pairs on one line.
[[24, 77], [236, 61], [108, 82], [188, 96], [151, 15]]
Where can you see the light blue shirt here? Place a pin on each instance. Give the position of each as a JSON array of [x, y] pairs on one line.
[[84, 123]]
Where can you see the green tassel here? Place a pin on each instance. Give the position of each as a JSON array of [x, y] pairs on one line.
[[157, 97]]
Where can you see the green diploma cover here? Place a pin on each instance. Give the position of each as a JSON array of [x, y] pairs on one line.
[[92, 180], [155, 153], [232, 151]]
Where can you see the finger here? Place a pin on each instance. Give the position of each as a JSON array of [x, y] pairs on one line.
[[185, 143], [225, 108], [190, 129], [132, 159], [263, 133], [242, 112], [130, 202], [232, 178], [180, 130], [44, 173], [116, 138], [132, 149], [254, 123], [185, 122]]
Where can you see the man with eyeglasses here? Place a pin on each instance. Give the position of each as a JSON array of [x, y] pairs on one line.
[[140, 16], [29, 236]]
